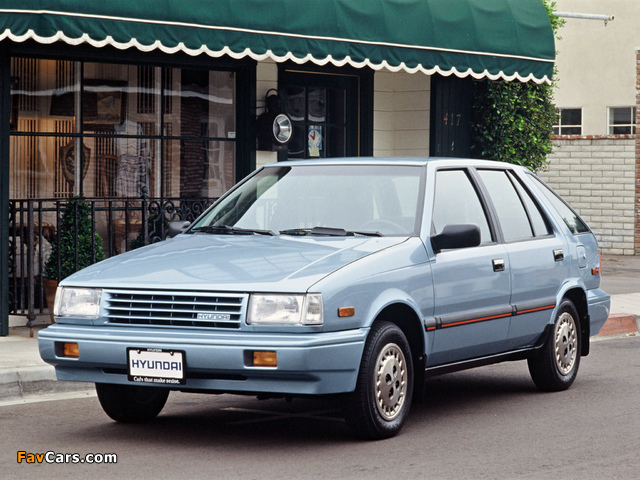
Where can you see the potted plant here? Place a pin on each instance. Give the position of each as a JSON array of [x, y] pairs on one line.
[[76, 246]]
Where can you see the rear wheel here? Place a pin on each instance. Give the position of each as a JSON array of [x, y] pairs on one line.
[[555, 366], [131, 403], [380, 403]]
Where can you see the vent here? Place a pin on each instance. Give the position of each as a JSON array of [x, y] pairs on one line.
[[166, 309]]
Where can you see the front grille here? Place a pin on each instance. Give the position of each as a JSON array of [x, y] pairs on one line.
[[168, 309]]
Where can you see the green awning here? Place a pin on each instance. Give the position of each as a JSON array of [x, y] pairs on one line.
[[495, 39]]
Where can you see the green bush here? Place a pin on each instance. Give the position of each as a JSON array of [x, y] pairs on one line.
[[74, 233]]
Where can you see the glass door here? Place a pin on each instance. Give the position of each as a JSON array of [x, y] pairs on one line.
[[324, 111]]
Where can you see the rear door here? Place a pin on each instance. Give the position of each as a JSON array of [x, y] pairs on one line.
[[538, 256], [472, 287]]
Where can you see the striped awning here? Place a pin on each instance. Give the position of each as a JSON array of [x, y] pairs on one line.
[[495, 39]]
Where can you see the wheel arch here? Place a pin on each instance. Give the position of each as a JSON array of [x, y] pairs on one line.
[[408, 321], [578, 297]]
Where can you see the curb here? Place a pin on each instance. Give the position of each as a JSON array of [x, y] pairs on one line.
[[619, 323], [26, 382]]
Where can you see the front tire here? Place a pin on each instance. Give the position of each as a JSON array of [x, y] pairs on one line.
[[555, 366], [380, 403], [131, 403]]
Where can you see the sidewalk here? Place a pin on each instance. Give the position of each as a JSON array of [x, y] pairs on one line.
[[24, 375]]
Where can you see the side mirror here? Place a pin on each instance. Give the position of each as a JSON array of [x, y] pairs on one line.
[[456, 236], [177, 227]]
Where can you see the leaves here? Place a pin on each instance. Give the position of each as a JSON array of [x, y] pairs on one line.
[[74, 243]]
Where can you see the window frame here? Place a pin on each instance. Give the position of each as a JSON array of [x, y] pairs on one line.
[[559, 127], [513, 177], [612, 126], [547, 192], [487, 208]]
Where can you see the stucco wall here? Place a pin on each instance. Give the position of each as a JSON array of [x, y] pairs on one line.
[[597, 63], [597, 177]]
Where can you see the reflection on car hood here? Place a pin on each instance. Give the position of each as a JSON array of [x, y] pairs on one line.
[[231, 263]]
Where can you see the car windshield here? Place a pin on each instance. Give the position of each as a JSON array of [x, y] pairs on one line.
[[320, 200]]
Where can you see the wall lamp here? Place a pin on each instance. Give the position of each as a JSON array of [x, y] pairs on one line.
[[274, 129]]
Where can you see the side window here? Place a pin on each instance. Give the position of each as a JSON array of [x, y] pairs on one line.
[[509, 207], [540, 225], [571, 219], [456, 202]]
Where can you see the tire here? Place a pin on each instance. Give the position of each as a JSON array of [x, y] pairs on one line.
[[555, 367], [131, 403], [380, 403]]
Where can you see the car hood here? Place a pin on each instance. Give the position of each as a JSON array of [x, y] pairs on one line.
[[231, 263]]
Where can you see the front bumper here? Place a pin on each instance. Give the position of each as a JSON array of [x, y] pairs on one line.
[[308, 363]]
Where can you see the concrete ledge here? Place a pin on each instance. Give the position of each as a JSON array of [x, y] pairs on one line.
[[619, 323], [27, 382]]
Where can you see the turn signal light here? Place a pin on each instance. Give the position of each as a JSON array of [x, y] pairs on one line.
[[346, 312], [67, 349], [265, 359]]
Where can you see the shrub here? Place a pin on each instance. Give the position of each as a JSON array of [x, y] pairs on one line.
[[76, 243]]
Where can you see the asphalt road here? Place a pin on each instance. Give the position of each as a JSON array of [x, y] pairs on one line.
[[485, 423]]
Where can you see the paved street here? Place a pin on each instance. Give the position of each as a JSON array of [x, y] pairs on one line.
[[485, 423]]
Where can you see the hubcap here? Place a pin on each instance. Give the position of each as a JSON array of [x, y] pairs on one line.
[[390, 381], [566, 343]]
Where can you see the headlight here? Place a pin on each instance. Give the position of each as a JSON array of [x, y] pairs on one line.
[[77, 302], [285, 309]]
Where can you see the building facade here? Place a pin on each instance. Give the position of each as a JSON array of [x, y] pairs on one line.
[[151, 114], [596, 162]]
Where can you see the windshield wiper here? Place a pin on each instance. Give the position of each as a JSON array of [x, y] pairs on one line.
[[328, 231], [229, 230]]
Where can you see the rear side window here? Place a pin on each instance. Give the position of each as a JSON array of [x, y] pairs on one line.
[[540, 225], [518, 213], [575, 224]]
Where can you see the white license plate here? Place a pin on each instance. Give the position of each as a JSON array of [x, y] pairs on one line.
[[154, 365]]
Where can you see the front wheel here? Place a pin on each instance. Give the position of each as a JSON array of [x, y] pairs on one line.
[[380, 403], [555, 366], [131, 403]]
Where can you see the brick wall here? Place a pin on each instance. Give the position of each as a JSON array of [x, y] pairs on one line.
[[597, 176]]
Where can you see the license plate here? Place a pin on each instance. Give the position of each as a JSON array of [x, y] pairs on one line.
[[155, 365]]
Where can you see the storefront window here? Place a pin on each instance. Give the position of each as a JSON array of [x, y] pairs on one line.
[[115, 113]]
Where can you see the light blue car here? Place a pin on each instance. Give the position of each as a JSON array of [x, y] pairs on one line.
[[358, 277]]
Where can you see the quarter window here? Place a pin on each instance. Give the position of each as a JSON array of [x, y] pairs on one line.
[[456, 202], [571, 219]]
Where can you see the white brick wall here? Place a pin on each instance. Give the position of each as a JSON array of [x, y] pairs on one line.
[[597, 177]]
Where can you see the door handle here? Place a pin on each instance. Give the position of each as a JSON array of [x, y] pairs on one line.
[[558, 255], [498, 264]]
